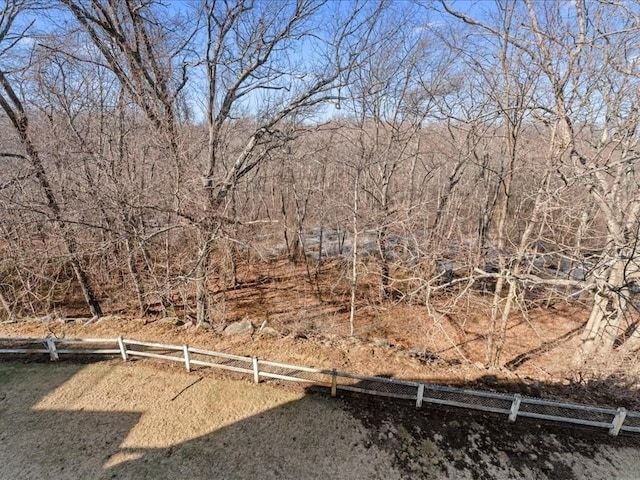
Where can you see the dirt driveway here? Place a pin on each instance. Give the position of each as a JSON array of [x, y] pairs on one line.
[[141, 420]]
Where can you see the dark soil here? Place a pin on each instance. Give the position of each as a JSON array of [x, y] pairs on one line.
[[450, 443]]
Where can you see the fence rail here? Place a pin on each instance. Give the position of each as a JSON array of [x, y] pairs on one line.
[[615, 420]]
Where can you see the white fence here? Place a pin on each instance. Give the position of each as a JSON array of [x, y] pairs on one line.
[[512, 405]]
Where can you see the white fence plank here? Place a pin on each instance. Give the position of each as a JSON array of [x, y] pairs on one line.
[[21, 351], [291, 379], [515, 406], [163, 346], [576, 421], [123, 349], [185, 349], [226, 356], [378, 379], [618, 421], [470, 406], [420, 395], [86, 340], [221, 366], [253, 365], [159, 356], [572, 406], [375, 393], [51, 346], [98, 351], [288, 366], [256, 371]]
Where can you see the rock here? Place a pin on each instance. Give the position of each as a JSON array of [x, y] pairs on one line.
[[380, 342], [243, 326], [269, 332], [169, 320]]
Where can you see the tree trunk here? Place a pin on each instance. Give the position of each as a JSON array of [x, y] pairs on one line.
[[607, 313], [88, 293], [384, 261], [135, 277], [493, 320], [14, 109], [354, 256], [202, 284], [6, 306]]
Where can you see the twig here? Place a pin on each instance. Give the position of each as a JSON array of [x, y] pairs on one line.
[[185, 388]]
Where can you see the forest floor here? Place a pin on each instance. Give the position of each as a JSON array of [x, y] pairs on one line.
[[443, 344], [148, 420]]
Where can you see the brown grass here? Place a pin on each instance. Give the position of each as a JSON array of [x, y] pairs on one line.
[[107, 420], [111, 420]]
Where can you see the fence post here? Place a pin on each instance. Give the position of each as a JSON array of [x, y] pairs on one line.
[[187, 364], [123, 349], [515, 407], [334, 383], [420, 395], [53, 353], [618, 420], [256, 371]]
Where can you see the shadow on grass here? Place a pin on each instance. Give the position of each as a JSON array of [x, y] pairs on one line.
[[39, 443], [54, 426]]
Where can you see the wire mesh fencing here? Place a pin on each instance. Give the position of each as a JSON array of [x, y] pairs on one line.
[[378, 386], [632, 422], [470, 399], [615, 420]]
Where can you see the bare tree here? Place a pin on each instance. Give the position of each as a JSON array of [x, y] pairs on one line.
[[582, 57], [392, 99], [247, 64], [14, 108]]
